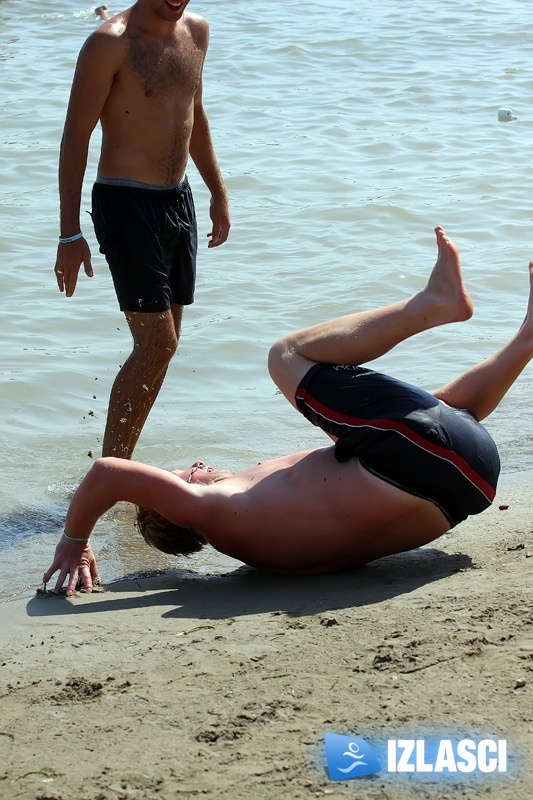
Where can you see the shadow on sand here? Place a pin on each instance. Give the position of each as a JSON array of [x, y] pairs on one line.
[[244, 591]]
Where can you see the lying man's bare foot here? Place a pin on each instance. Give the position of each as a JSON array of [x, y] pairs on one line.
[[526, 329], [445, 293]]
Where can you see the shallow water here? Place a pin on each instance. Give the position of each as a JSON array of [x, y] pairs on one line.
[[345, 136]]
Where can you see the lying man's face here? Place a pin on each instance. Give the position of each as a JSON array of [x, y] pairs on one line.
[[201, 473]]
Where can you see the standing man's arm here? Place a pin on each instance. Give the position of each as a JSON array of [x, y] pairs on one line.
[[97, 65], [203, 154]]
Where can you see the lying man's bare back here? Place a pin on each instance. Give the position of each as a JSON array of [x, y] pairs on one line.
[[406, 465], [308, 513]]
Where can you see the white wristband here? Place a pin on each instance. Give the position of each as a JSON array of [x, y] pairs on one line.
[[67, 239], [72, 539]]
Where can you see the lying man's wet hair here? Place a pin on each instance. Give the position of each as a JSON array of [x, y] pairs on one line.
[[158, 532]]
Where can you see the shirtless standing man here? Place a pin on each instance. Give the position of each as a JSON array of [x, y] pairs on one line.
[[406, 465], [140, 75]]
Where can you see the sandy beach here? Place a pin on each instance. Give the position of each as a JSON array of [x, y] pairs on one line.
[[188, 685], [345, 133]]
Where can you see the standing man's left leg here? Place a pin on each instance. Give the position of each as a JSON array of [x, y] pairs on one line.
[[149, 238], [136, 387]]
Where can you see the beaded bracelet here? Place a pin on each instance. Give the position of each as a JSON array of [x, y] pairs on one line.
[[67, 239], [72, 539]]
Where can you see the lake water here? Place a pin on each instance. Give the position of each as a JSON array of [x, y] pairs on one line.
[[345, 131]]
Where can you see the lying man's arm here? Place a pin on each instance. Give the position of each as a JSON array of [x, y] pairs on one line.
[[109, 481]]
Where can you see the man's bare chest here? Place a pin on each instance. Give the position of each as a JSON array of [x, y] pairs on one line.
[[163, 67]]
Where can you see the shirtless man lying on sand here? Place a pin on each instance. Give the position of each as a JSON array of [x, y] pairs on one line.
[[405, 467]]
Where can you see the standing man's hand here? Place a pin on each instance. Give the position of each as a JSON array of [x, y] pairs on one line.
[[219, 213], [70, 256]]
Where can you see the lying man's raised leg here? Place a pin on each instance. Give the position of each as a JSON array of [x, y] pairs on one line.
[[481, 388], [364, 336]]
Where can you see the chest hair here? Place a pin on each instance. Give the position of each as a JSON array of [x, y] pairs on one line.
[[165, 66]]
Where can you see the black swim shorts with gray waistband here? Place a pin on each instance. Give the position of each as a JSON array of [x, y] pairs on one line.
[[405, 436], [149, 238]]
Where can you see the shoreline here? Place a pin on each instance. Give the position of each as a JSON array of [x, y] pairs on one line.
[[512, 492], [185, 684]]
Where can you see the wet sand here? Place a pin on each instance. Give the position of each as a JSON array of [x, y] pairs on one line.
[[188, 685]]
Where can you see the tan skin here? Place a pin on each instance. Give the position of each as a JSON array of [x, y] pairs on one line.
[[102, 12], [305, 512], [140, 75]]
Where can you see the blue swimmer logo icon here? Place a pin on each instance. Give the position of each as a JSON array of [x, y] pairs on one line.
[[349, 757]]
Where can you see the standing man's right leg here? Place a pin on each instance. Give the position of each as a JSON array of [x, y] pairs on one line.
[[136, 387], [364, 336]]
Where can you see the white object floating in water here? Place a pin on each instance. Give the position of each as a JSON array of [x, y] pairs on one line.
[[505, 115]]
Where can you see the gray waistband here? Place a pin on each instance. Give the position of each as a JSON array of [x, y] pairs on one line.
[[139, 184]]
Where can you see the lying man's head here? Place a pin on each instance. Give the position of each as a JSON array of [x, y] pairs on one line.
[[166, 536]]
